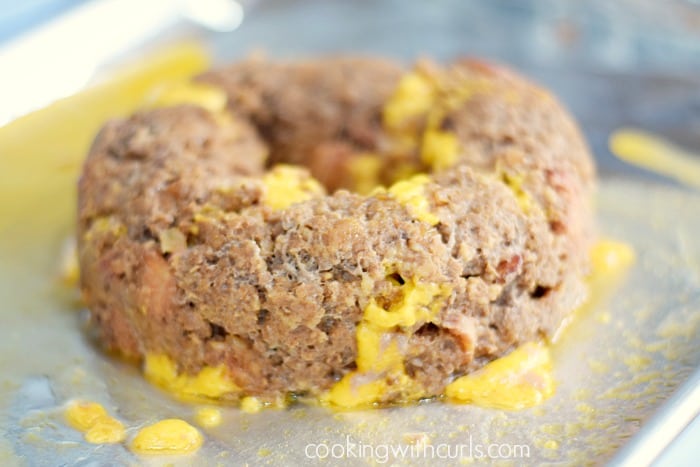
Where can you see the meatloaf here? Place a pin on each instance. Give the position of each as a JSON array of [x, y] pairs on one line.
[[341, 219]]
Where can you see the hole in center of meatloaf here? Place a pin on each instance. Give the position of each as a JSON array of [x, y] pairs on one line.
[[342, 163], [334, 168]]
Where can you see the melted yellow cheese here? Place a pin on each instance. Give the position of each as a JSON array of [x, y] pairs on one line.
[[521, 379], [411, 194], [286, 185], [413, 97], [83, 415], [69, 265], [380, 369], [97, 425], [610, 260], [208, 213], [610, 257], [109, 225], [412, 307], [364, 169], [210, 382], [107, 430], [551, 444], [354, 391], [515, 183], [251, 404], [645, 150], [379, 360], [414, 114], [188, 92], [439, 149], [208, 417], [403, 171], [463, 89], [167, 437], [377, 351]]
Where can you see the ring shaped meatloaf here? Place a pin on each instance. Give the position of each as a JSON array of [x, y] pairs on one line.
[[309, 277]]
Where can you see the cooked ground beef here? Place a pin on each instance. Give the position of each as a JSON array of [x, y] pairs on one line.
[[181, 255]]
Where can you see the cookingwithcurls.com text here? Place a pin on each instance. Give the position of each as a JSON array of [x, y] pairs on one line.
[[418, 448]]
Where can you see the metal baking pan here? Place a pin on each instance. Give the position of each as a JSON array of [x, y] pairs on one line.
[[627, 368]]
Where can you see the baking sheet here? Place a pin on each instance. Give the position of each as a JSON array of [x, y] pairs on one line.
[[615, 366]]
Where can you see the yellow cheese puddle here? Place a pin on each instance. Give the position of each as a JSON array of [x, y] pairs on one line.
[[610, 260], [97, 426], [210, 382], [286, 185], [652, 153], [167, 437], [67, 127], [609, 257], [521, 379]]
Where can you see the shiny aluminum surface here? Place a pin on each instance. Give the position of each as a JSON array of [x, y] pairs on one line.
[[616, 365]]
